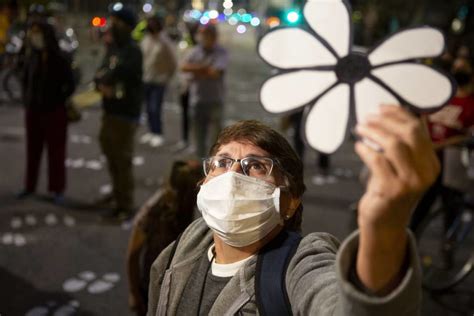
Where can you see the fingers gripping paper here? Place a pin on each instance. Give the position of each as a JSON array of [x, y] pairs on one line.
[[320, 72]]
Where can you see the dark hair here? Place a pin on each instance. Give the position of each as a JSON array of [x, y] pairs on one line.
[[155, 21], [49, 35], [287, 161], [125, 14], [181, 189], [210, 29]]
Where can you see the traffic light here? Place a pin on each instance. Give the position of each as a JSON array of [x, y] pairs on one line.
[[292, 16]]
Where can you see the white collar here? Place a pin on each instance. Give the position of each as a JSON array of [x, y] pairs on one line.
[[224, 270]]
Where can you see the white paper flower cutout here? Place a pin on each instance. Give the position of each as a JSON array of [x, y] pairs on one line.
[[319, 70]]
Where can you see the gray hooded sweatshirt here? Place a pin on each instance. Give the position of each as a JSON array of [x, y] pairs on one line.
[[318, 279]]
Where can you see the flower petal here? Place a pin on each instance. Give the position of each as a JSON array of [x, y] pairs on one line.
[[414, 43], [331, 20], [294, 89], [294, 48], [369, 96], [419, 85], [326, 122]]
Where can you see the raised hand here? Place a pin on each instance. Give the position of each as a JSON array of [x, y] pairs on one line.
[[401, 171]]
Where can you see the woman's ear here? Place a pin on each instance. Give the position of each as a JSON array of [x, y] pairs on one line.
[[294, 204], [288, 204]]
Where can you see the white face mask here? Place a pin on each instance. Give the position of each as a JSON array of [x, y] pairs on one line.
[[240, 209], [37, 41]]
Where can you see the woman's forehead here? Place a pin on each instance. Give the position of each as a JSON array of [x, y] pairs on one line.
[[241, 149]]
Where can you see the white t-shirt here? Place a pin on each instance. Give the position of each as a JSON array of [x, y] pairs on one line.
[[225, 270]]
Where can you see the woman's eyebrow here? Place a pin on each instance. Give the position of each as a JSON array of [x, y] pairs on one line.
[[257, 156], [227, 155], [224, 154]]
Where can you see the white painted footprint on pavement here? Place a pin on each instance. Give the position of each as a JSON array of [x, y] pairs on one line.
[[78, 284], [30, 220], [94, 285], [52, 308], [138, 161], [50, 220], [15, 239], [18, 223], [105, 189]]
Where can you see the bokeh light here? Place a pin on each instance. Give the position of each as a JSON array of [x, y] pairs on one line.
[[255, 21], [241, 29], [147, 7]]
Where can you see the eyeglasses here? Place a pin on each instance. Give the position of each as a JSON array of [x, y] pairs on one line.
[[257, 167]]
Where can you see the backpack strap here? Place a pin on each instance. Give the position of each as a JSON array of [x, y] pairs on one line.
[[173, 250], [272, 263]]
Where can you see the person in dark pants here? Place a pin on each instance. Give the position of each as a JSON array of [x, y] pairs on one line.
[[119, 79], [184, 81], [323, 162], [159, 65], [184, 102], [47, 82]]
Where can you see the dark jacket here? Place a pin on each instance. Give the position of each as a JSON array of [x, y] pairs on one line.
[[47, 82], [122, 69]]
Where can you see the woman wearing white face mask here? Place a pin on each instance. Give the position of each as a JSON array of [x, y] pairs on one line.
[[47, 82], [251, 206]]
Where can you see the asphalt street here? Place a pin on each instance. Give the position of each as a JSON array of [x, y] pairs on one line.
[[65, 261]]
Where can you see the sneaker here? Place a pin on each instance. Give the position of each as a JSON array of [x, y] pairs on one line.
[[156, 141], [116, 215], [179, 146], [146, 138], [124, 215], [58, 198]]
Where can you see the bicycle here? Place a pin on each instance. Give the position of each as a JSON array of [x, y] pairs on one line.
[[11, 71], [447, 253]]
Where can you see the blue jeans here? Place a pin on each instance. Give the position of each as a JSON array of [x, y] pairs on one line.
[[154, 94]]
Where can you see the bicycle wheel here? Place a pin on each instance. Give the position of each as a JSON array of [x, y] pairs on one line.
[[12, 85], [447, 257]]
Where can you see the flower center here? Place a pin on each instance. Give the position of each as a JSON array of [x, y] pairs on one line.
[[352, 68]]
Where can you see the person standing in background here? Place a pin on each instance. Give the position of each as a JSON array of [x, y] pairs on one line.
[[207, 63], [451, 125], [189, 38], [159, 65], [119, 79], [47, 83], [323, 160]]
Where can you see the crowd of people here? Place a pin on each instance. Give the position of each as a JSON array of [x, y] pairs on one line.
[[131, 73]]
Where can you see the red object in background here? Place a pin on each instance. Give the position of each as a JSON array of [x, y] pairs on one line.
[[453, 119], [99, 21]]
